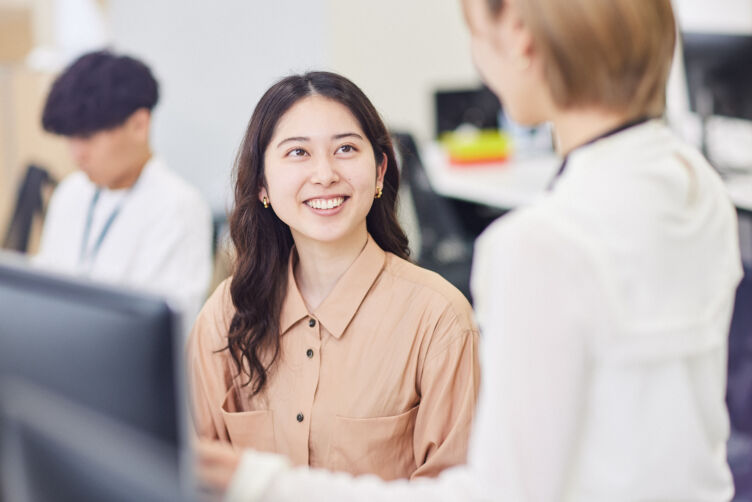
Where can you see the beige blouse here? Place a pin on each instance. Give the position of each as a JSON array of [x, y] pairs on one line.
[[381, 378]]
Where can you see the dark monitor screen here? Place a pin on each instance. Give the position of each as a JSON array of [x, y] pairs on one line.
[[478, 107], [108, 350], [52, 449], [719, 74]]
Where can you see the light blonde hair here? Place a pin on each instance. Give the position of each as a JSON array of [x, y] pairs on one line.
[[614, 54]]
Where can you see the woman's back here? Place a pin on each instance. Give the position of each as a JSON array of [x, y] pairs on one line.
[[642, 236]]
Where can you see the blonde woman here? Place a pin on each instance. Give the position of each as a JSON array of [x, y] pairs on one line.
[[605, 306]]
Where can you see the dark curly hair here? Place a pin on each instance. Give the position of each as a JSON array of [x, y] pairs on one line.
[[98, 91], [263, 241]]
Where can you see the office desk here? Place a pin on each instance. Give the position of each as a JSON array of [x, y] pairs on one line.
[[518, 182], [739, 187], [505, 186]]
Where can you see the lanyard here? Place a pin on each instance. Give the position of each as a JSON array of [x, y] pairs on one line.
[[606, 134], [92, 254]]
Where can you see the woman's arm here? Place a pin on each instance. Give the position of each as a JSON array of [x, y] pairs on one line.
[[448, 385], [208, 374], [268, 477], [537, 306]]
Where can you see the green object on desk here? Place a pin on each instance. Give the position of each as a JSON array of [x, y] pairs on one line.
[[476, 146]]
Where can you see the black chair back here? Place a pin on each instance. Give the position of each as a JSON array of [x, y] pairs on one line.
[[739, 393], [446, 247], [29, 203]]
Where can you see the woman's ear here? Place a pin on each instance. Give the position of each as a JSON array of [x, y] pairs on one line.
[[263, 195], [381, 170], [523, 48]]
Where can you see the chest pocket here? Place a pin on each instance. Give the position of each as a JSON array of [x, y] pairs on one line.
[[248, 429], [381, 446]]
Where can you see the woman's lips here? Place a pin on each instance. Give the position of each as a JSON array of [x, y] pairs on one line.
[[325, 203]]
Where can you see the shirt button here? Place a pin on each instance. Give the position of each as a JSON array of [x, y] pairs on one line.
[[300, 417], [309, 353], [312, 323]]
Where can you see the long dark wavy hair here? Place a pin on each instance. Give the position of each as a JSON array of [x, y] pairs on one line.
[[263, 241]]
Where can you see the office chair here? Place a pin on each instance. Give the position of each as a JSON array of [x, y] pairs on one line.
[[446, 247], [739, 393], [739, 389], [29, 203]]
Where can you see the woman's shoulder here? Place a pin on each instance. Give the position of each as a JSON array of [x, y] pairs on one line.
[[543, 227], [430, 288], [217, 313]]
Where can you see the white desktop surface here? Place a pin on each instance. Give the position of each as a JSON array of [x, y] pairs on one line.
[[505, 185], [739, 187], [518, 181]]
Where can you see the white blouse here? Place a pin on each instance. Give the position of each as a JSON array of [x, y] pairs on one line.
[[604, 310]]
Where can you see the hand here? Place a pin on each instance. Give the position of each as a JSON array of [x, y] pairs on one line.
[[217, 463]]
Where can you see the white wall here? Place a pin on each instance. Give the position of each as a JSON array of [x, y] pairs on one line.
[[213, 61], [399, 52], [719, 16]]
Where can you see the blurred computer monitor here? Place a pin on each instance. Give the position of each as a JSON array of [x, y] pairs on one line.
[[112, 351], [719, 74], [478, 107], [55, 450]]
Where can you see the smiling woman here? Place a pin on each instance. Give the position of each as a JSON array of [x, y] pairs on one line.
[[321, 165], [327, 345]]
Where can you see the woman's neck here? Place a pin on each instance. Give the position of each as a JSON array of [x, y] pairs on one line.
[[321, 264], [573, 128]]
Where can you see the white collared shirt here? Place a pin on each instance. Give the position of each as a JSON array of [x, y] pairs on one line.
[[159, 240], [604, 309]]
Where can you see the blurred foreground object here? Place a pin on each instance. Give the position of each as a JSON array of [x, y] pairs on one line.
[[114, 356]]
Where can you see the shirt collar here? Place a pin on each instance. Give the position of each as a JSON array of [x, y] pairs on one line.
[[337, 309], [611, 132], [152, 165]]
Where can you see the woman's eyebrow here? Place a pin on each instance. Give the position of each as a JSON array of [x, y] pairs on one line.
[[306, 138], [347, 135], [293, 138]]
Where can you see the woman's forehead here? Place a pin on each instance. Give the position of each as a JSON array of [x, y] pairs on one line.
[[317, 116]]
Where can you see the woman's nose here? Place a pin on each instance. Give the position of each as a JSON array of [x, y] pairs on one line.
[[324, 172]]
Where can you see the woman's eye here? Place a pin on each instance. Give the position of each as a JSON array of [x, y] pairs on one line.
[[296, 152], [346, 149]]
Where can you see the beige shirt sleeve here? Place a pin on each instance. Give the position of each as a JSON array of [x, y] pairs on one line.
[[449, 384], [208, 372]]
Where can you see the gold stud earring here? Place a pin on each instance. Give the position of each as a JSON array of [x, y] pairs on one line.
[[265, 201], [378, 193]]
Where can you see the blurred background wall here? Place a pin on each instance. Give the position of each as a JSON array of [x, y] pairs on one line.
[[214, 59], [215, 62]]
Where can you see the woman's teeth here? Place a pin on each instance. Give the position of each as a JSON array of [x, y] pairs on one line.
[[325, 203]]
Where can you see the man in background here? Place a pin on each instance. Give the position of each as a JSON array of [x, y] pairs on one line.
[[124, 218]]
